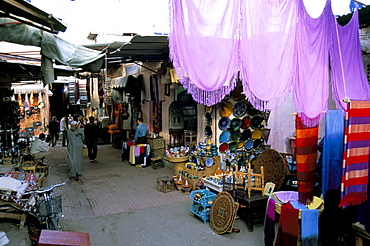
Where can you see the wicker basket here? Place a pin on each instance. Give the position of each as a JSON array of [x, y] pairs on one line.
[[178, 159]]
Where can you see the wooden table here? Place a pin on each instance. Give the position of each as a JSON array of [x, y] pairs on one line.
[[254, 210]]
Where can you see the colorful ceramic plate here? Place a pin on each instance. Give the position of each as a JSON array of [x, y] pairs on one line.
[[235, 136], [241, 144], [224, 123], [226, 108], [246, 122], [246, 135], [249, 144], [233, 146], [257, 143], [256, 121], [257, 134], [223, 147], [208, 118], [208, 162], [235, 124], [208, 131], [240, 108], [224, 137]]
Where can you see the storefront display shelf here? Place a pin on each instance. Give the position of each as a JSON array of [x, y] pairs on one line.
[[199, 211], [213, 186], [203, 197]]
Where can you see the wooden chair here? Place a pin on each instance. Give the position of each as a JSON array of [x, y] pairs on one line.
[[258, 183]]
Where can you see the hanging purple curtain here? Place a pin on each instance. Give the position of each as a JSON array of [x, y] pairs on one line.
[[346, 61], [204, 45], [267, 49], [311, 90]]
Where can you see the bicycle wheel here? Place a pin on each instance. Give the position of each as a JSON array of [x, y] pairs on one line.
[[52, 223]]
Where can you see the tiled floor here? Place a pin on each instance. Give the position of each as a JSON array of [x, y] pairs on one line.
[[109, 186]]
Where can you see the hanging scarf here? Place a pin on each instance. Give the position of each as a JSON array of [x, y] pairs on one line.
[[310, 227], [288, 226], [306, 140], [355, 167], [157, 116], [269, 225], [346, 63], [332, 154], [204, 42]]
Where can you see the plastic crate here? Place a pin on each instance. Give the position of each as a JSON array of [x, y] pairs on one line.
[[203, 197], [200, 212]]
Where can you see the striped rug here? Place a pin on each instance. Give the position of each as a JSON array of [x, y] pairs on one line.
[[306, 156], [355, 166]]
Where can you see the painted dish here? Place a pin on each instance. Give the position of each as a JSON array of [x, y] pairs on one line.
[[251, 110], [246, 122], [233, 146], [223, 147], [257, 143], [240, 108], [235, 124], [235, 136], [224, 123], [238, 94], [194, 159], [208, 118], [241, 144], [249, 144], [208, 162], [256, 121], [224, 137], [226, 109], [257, 134], [246, 135], [208, 131]]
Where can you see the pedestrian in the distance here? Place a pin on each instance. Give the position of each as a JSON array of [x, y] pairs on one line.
[[91, 139], [54, 130], [63, 128], [141, 132], [75, 138]]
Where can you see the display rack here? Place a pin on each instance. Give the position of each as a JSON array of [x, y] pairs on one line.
[[202, 202]]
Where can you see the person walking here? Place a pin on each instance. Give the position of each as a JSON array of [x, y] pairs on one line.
[[54, 130], [75, 137], [63, 128], [40, 150], [91, 139], [141, 132]]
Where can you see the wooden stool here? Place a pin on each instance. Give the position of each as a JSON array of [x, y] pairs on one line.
[[30, 168], [165, 184], [43, 169], [156, 162], [48, 237]]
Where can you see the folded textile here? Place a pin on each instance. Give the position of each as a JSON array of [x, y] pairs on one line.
[[310, 227], [269, 226], [286, 196], [332, 154], [306, 157], [355, 167]]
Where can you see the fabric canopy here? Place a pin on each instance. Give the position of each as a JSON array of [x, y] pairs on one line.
[[52, 47], [277, 51]]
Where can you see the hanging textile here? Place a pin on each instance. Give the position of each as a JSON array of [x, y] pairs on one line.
[[355, 167], [288, 226], [267, 49], [348, 75], [332, 154], [306, 156], [310, 227], [157, 116], [269, 225], [203, 44], [311, 90], [154, 96]]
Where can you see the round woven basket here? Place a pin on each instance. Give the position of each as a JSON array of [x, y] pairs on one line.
[[178, 159]]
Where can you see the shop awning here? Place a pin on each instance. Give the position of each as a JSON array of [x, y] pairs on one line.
[[28, 88], [119, 82]]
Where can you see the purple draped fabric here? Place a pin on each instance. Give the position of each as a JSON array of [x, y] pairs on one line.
[[204, 44], [346, 60], [311, 90], [277, 51], [268, 49]]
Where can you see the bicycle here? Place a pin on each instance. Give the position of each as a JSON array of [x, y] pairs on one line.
[[48, 205]]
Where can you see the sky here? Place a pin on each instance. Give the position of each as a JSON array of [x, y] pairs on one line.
[[114, 17]]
